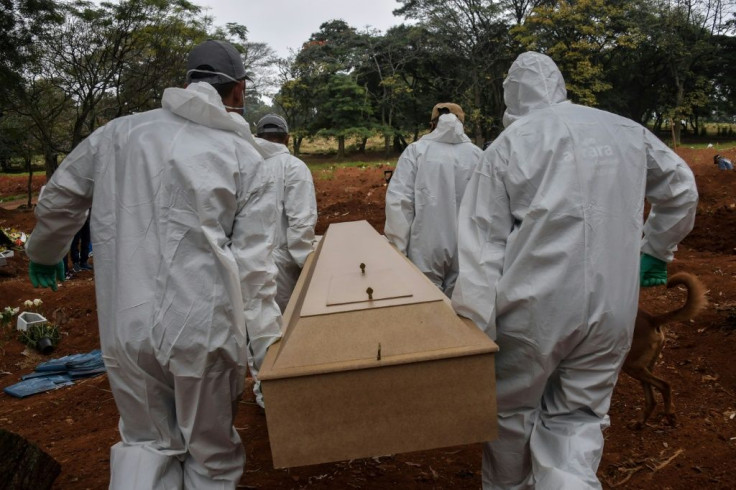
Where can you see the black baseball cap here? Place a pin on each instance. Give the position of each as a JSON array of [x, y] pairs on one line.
[[272, 123], [215, 62]]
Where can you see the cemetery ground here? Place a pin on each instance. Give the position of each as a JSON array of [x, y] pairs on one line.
[[77, 424]]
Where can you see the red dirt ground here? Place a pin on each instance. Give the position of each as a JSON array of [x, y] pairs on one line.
[[77, 425]]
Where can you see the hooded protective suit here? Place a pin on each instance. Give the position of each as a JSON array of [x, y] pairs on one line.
[[182, 227], [298, 215], [550, 234], [297, 209], [423, 197]]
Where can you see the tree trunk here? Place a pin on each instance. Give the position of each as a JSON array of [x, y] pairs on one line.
[[341, 147], [400, 143], [297, 142], [658, 123], [676, 131], [51, 163], [77, 132], [386, 145], [361, 148], [24, 465], [478, 130], [678, 105], [29, 166]]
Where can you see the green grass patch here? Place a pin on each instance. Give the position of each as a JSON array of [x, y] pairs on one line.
[[325, 174], [326, 171], [362, 165], [20, 174], [14, 198], [719, 145]]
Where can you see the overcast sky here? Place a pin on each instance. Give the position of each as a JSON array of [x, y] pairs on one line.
[[284, 24]]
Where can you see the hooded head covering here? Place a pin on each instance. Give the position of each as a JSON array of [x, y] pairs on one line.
[[533, 82]]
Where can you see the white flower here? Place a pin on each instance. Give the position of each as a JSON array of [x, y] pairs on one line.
[[28, 303], [37, 302], [13, 311]]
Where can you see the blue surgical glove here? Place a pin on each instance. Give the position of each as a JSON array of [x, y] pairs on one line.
[[46, 276], [653, 272]]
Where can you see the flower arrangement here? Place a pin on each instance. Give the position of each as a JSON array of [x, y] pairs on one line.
[[40, 335], [6, 316], [17, 237], [34, 306]]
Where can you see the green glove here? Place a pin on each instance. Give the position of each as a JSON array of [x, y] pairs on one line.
[[653, 272], [46, 276]]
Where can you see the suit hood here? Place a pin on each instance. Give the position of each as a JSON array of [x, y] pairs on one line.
[[534, 82]]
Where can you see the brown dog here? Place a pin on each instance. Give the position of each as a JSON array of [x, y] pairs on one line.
[[648, 342]]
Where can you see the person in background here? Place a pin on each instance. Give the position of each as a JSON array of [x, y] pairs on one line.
[[297, 210], [297, 204], [80, 249], [181, 214], [551, 259], [722, 162], [424, 194]]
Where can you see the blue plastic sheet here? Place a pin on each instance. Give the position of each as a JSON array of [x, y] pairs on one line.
[[59, 372], [73, 361], [33, 386]]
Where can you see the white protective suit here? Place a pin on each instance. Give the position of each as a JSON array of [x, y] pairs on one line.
[[298, 210], [549, 241], [423, 198], [182, 228]]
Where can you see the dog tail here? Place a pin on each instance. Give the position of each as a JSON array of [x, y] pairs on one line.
[[696, 299]]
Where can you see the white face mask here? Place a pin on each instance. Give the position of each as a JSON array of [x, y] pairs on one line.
[[194, 70], [241, 110]]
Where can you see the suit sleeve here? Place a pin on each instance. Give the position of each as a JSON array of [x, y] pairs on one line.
[[62, 210], [400, 201], [673, 195], [484, 224], [253, 242], [300, 206]]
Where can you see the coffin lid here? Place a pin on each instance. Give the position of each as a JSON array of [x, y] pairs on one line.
[[333, 324]]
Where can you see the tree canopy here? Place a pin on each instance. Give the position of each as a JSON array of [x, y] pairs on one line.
[[71, 66]]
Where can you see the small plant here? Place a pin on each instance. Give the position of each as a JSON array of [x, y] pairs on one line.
[[6, 316], [38, 332], [33, 336], [34, 306]]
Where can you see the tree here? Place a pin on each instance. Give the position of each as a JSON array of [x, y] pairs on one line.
[[101, 62], [342, 110], [519, 9], [21, 21], [383, 73], [476, 46], [581, 37], [18, 143], [686, 47], [643, 59], [295, 101], [325, 67], [100, 49], [723, 77], [261, 64]]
